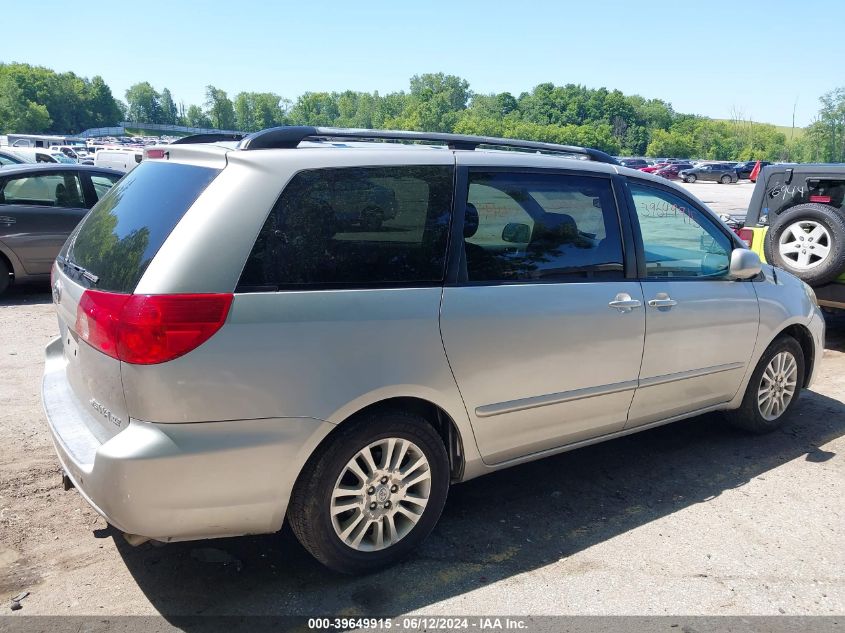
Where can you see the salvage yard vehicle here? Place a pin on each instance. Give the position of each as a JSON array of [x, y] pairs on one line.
[[121, 159], [40, 204], [712, 172], [796, 221], [671, 171], [11, 158], [231, 356], [744, 169]]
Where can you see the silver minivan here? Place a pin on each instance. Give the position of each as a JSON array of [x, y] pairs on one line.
[[233, 354]]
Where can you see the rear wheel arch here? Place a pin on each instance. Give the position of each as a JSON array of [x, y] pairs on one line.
[[434, 414], [9, 260]]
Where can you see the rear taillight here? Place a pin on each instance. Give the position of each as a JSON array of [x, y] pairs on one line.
[[824, 199], [747, 236], [156, 153], [149, 329]]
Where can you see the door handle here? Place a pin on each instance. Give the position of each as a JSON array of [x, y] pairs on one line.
[[662, 300], [624, 303]]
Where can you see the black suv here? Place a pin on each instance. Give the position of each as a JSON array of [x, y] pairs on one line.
[[796, 220], [724, 174], [744, 169], [633, 163]]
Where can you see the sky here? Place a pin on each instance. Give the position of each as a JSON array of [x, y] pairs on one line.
[[760, 59]]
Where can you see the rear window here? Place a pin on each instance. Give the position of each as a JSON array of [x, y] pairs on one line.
[[118, 239], [355, 227]]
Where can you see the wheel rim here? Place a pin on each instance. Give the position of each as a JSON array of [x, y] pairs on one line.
[[777, 386], [381, 494], [805, 244]]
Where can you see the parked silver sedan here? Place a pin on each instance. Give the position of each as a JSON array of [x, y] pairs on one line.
[[232, 354]]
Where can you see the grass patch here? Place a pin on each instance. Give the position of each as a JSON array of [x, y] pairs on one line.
[[786, 130]]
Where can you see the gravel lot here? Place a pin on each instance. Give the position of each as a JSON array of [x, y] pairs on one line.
[[732, 199], [692, 518]]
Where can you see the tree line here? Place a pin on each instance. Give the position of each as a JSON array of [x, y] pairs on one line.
[[36, 99]]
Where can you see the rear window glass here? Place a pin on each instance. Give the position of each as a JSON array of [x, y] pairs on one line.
[[118, 239], [355, 227]]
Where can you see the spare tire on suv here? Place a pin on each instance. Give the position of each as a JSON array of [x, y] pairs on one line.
[[808, 241]]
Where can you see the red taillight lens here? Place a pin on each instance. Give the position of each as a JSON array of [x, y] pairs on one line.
[[747, 236], [824, 199], [97, 318], [149, 329], [156, 153]]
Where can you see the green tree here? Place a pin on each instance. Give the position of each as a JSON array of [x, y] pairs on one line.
[[19, 114], [219, 108], [673, 144], [169, 114], [105, 109], [195, 117], [144, 103], [829, 128], [258, 110]]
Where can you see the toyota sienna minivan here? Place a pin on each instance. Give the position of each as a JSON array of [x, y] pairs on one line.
[[233, 354]]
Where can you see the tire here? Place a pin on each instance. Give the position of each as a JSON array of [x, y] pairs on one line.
[[799, 222], [5, 276], [690, 179], [726, 180], [371, 219], [750, 415], [320, 530]]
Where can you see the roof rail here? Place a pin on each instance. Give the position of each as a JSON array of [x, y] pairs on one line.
[[290, 136], [207, 138]]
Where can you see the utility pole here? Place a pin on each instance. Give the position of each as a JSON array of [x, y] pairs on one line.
[[794, 107]]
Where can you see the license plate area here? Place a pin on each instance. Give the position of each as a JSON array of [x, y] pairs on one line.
[[71, 346]]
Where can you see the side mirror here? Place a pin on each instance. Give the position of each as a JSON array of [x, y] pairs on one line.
[[516, 233], [745, 264]]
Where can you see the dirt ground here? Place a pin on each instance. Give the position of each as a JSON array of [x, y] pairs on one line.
[[691, 518]]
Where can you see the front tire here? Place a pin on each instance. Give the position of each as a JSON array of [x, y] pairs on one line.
[[372, 494], [5, 276], [689, 179], [773, 389]]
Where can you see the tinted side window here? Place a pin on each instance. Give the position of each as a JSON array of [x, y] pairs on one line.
[[102, 183], [48, 190], [540, 227], [679, 240], [354, 227]]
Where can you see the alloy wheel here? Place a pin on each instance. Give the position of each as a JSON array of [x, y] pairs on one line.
[[380, 494], [777, 386], [805, 244]]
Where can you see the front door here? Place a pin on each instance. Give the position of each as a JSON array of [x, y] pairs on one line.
[[543, 330], [701, 325], [37, 213]]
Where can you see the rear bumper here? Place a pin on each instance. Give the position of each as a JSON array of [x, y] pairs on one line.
[[173, 482]]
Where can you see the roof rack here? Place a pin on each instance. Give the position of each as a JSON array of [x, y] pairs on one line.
[[207, 138], [290, 136]]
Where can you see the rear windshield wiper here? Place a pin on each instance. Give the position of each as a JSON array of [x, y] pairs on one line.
[[79, 269]]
